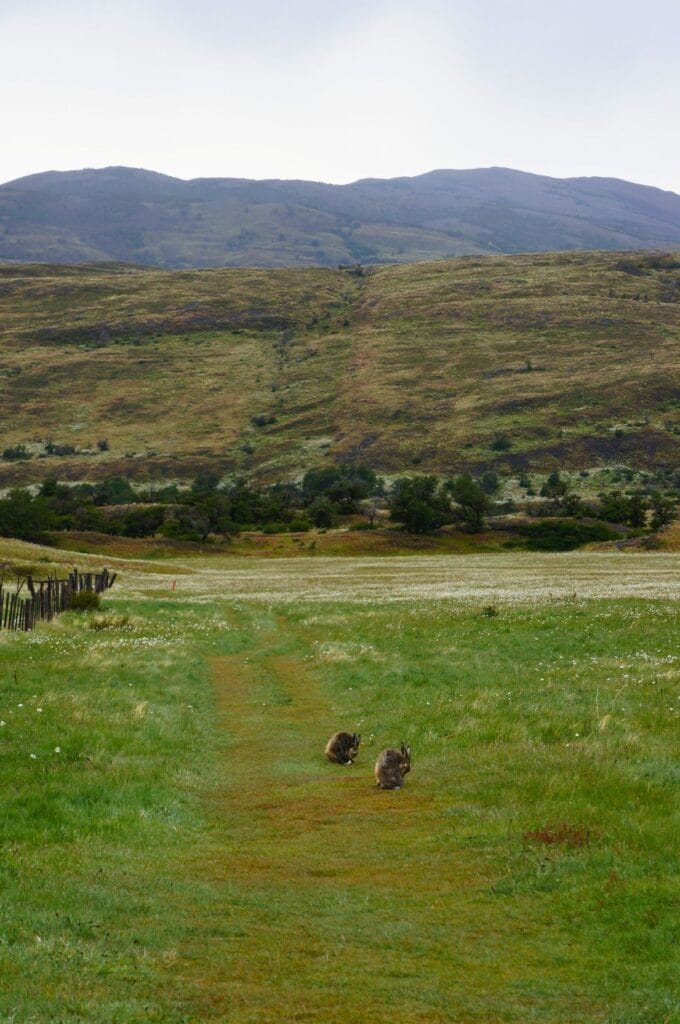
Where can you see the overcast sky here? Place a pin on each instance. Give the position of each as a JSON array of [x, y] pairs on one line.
[[335, 91]]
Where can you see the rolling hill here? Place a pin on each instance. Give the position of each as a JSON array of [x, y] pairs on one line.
[[506, 362], [138, 216]]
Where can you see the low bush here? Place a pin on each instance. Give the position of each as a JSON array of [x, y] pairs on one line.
[[85, 601], [300, 524], [16, 452], [271, 528], [564, 534]]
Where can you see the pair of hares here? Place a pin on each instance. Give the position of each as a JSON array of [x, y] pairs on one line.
[[391, 767]]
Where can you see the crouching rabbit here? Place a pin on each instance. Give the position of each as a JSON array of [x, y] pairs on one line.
[[343, 747], [392, 767]]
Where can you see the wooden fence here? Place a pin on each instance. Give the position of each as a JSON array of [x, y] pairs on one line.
[[46, 598]]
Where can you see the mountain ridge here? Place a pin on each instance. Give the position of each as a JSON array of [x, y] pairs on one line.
[[149, 218]]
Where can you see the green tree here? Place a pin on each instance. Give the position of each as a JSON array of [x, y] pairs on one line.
[[114, 490], [555, 487], [26, 517], [663, 510], [344, 485], [473, 504], [637, 511], [205, 483], [614, 507], [420, 504], [321, 513], [143, 522], [490, 482]]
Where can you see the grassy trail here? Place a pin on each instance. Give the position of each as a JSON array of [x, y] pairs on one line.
[[327, 892]]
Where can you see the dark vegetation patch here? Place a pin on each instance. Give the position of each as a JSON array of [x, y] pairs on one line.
[[100, 335], [564, 534], [643, 447]]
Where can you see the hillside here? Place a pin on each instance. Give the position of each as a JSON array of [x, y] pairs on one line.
[[138, 216], [505, 362]]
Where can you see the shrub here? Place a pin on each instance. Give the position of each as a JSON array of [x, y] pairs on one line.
[[564, 534], [59, 449], [300, 524], [271, 528], [501, 443], [176, 530], [16, 452], [114, 490], [85, 601], [490, 482], [205, 483], [321, 512], [629, 266], [554, 487]]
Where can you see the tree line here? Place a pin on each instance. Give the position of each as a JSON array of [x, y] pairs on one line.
[[323, 498]]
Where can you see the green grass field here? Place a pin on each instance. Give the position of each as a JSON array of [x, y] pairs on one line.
[[175, 848]]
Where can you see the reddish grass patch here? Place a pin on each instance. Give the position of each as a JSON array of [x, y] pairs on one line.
[[572, 836]]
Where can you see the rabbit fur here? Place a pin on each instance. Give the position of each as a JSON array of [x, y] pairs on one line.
[[343, 747], [392, 766]]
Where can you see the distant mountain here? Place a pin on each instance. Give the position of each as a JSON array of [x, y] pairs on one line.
[[138, 216]]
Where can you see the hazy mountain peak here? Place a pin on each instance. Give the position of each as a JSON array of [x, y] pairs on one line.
[[136, 215]]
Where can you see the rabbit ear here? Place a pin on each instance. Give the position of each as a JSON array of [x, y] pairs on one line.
[[406, 751], [357, 739]]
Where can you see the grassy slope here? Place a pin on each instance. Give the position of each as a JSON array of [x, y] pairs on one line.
[[417, 366], [187, 854]]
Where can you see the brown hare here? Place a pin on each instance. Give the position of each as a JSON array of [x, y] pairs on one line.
[[392, 766], [343, 747]]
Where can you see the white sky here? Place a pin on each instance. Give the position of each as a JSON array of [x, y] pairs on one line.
[[340, 90]]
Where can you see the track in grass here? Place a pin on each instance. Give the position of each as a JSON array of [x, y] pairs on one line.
[[325, 891]]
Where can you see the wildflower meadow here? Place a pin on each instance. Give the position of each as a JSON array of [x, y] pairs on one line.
[[176, 848]]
